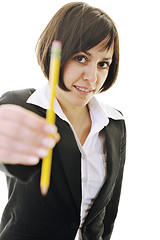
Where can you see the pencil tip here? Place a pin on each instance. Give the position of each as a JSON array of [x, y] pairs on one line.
[[44, 190]]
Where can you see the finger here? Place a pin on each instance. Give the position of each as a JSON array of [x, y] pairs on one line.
[[10, 157], [23, 148], [16, 132], [25, 117]]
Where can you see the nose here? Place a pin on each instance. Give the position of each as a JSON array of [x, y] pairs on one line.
[[90, 73]]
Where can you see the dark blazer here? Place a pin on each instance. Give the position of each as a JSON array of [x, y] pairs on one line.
[[30, 216]]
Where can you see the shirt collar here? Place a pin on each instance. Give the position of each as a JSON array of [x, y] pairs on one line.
[[100, 113]]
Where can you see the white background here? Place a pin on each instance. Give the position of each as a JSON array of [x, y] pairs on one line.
[[136, 94]]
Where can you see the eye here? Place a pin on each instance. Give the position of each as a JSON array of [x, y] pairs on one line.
[[104, 65], [80, 58]]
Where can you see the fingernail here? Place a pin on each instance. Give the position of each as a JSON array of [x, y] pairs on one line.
[[33, 160], [48, 142], [41, 152], [50, 128]]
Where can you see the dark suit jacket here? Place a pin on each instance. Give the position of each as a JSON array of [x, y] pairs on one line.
[[29, 216]]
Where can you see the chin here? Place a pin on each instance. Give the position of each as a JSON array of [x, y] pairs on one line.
[[80, 103]]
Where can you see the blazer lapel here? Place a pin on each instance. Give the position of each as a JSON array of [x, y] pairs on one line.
[[112, 143], [70, 157]]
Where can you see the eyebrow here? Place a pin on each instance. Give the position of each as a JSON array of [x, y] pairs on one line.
[[87, 53], [105, 59]]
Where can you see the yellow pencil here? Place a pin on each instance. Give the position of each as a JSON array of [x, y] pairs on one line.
[[50, 115]]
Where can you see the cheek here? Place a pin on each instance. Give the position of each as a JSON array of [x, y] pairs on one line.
[[67, 75], [102, 79], [71, 74]]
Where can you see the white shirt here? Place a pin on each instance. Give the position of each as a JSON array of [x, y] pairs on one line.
[[93, 156]]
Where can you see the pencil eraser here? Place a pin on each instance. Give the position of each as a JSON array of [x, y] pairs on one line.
[[56, 44]]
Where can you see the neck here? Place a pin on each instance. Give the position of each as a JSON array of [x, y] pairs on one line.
[[80, 119], [74, 113]]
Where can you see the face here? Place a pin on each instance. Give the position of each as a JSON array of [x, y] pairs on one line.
[[84, 74]]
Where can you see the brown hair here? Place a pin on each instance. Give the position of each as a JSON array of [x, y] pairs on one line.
[[79, 27]]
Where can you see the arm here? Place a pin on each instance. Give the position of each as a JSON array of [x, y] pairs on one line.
[[21, 172], [23, 138], [112, 208]]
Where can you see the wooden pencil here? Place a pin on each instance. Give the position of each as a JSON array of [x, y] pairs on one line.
[[50, 115]]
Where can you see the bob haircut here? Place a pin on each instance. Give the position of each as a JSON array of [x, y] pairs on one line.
[[79, 27]]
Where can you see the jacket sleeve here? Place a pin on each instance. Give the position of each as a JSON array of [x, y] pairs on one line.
[[21, 172], [112, 207]]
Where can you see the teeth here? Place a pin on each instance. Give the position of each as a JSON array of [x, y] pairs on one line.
[[83, 89]]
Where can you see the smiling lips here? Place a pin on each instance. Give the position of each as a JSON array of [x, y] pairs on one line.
[[82, 89]]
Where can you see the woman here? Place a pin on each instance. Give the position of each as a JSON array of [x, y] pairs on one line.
[[88, 157]]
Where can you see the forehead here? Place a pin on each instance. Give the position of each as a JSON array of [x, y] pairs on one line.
[[101, 49]]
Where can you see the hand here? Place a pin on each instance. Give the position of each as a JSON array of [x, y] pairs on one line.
[[24, 136]]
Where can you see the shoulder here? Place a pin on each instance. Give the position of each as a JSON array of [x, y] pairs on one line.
[[18, 97], [116, 118], [112, 112], [108, 111]]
